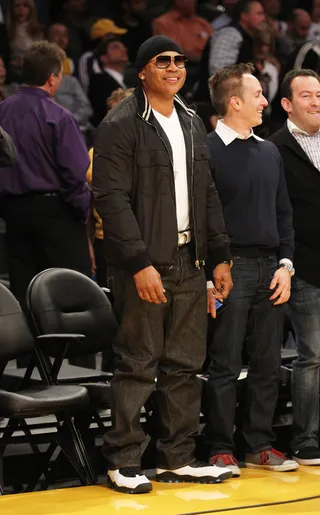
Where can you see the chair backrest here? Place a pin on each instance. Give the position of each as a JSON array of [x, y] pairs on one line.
[[65, 301], [15, 336]]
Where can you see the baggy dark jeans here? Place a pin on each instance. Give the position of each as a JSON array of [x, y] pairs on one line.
[[158, 347], [305, 317], [250, 313]]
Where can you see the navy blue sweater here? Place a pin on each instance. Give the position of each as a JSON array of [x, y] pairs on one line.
[[257, 211]]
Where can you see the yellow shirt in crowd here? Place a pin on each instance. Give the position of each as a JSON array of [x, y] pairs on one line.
[[98, 222]]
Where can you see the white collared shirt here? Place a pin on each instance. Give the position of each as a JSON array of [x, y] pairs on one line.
[[172, 127], [117, 76], [310, 143], [228, 135]]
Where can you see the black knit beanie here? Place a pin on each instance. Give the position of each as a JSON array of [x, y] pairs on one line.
[[154, 46]]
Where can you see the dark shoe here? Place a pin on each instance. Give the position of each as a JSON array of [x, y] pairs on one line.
[[270, 459], [195, 472], [228, 461], [129, 480], [307, 456]]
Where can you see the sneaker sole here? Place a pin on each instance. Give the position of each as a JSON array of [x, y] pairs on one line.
[[315, 461], [168, 477], [235, 472], [140, 489], [274, 468]]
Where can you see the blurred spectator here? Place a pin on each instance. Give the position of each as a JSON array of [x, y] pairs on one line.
[[266, 64], [75, 16], [112, 57], [314, 31], [133, 20], [224, 19], [182, 25], [272, 10], [58, 33], [70, 94], [267, 71], [117, 96], [88, 63], [6, 89], [45, 197], [234, 44], [297, 33], [23, 29]]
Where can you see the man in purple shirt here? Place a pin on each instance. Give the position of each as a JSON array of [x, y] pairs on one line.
[[44, 196]]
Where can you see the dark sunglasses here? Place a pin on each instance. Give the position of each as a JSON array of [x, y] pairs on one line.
[[163, 61]]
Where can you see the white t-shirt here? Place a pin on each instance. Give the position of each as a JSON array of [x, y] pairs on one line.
[[173, 130]]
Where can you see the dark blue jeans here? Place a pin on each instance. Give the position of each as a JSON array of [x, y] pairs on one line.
[[304, 308], [251, 318], [162, 348]]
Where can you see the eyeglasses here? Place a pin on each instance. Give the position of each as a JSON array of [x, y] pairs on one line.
[[164, 61]]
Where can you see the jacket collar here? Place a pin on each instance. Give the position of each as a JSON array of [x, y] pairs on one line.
[[287, 139], [145, 109]]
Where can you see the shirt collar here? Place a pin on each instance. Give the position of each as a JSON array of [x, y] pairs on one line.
[[294, 129], [228, 135], [33, 90]]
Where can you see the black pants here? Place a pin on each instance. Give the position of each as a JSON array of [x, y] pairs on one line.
[[101, 263], [159, 347], [42, 232], [250, 313]]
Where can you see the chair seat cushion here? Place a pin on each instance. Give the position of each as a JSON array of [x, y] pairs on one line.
[[43, 400], [99, 394]]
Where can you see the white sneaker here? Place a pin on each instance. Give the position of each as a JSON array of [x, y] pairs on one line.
[[195, 472], [129, 480]]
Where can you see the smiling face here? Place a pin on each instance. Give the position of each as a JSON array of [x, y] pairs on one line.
[[304, 107], [163, 82], [251, 103]]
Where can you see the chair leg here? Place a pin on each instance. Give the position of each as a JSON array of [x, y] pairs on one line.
[[72, 445], [44, 470]]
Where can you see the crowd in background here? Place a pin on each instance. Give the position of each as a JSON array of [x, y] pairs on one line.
[[101, 39]]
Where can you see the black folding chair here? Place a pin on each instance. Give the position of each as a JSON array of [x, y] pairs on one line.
[[62, 402], [73, 317]]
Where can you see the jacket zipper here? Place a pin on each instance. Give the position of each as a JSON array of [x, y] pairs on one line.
[[197, 262]]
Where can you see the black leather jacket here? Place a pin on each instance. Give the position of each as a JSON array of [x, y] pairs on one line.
[[133, 186]]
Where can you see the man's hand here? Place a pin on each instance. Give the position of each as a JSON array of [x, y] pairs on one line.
[[211, 302], [149, 285], [281, 279], [222, 281]]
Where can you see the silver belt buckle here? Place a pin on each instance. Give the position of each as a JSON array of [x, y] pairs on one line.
[[182, 238]]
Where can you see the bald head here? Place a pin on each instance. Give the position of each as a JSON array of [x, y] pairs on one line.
[[299, 24]]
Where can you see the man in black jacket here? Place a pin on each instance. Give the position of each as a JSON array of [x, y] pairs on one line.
[[162, 220], [108, 75], [299, 144], [248, 173]]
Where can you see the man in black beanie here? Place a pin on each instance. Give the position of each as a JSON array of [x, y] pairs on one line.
[[162, 222]]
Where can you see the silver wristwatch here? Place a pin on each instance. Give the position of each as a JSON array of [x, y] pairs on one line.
[[290, 268]]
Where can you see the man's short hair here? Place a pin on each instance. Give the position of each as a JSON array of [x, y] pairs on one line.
[[102, 47], [286, 86], [42, 60], [226, 83], [242, 6]]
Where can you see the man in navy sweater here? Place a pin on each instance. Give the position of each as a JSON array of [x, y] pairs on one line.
[[249, 176]]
